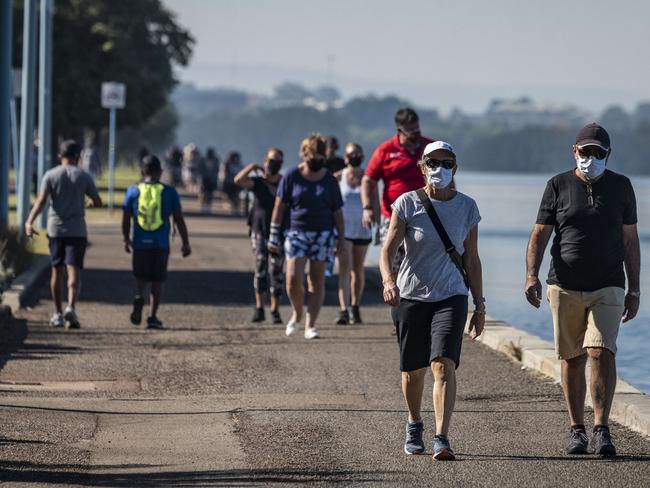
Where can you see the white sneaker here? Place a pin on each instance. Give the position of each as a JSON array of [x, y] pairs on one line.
[[292, 327], [312, 333], [57, 320]]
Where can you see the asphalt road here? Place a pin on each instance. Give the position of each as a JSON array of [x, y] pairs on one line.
[[217, 401]]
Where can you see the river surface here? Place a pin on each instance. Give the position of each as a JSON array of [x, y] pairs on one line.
[[508, 204]]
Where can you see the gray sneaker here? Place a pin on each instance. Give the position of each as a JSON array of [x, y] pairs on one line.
[[442, 451], [577, 441], [601, 442], [414, 443]]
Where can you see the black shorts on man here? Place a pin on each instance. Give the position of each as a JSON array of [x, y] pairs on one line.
[[67, 251], [429, 330], [150, 264]]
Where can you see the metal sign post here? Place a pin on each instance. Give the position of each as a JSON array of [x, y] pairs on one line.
[[45, 96], [113, 98], [5, 96]]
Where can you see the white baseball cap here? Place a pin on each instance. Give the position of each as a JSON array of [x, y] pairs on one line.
[[437, 146]]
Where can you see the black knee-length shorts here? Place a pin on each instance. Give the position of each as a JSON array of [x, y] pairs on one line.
[[429, 330]]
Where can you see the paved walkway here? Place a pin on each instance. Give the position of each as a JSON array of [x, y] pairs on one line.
[[217, 401]]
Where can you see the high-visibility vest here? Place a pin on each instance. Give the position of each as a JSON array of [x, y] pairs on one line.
[[150, 206]]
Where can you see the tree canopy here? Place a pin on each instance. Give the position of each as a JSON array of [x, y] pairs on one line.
[[136, 43]]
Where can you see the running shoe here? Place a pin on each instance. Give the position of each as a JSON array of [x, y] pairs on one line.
[[601, 441], [57, 320], [441, 449], [292, 328], [275, 315], [344, 318], [577, 441], [414, 443], [312, 333], [154, 323], [136, 314], [356, 315], [259, 315], [71, 320]]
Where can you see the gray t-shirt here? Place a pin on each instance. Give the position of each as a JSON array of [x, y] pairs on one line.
[[68, 187], [427, 273]]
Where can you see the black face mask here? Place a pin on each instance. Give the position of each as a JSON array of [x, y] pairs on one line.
[[315, 164], [355, 161], [274, 166]]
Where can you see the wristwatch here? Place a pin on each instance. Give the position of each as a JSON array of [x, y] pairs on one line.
[[367, 207], [636, 294], [479, 301]]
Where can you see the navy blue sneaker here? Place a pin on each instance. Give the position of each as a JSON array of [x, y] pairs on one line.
[[601, 441], [577, 441], [414, 443], [441, 449]]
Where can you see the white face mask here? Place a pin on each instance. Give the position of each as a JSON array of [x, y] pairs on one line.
[[439, 177], [591, 167]]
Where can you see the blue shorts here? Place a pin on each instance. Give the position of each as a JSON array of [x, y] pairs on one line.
[[313, 245], [68, 251]]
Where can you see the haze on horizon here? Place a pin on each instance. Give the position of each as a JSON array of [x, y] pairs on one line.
[[440, 54]]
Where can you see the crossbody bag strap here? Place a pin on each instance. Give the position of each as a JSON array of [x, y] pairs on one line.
[[455, 256]]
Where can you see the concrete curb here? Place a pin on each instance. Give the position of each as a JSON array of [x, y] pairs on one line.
[[16, 296], [630, 407]]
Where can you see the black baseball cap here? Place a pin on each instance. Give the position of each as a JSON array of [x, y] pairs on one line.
[[151, 164], [69, 149], [593, 135]]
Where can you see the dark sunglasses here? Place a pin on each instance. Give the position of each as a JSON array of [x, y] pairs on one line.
[[592, 151], [436, 163], [415, 132]]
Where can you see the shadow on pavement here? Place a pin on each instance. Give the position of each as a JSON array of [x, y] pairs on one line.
[[73, 474], [14, 339]]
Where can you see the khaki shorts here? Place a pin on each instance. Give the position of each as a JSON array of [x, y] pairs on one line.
[[584, 319]]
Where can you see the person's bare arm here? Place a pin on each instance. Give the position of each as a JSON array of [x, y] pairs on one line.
[[126, 230], [179, 220], [474, 269], [340, 229], [534, 255], [632, 271], [36, 210], [395, 236], [276, 226], [370, 201], [243, 179]]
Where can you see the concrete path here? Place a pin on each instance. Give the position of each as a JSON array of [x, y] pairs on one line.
[[217, 401]]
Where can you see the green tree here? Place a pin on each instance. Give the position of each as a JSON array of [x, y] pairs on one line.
[[137, 43]]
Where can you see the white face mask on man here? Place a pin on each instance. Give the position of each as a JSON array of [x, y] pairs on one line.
[[439, 177], [591, 166]]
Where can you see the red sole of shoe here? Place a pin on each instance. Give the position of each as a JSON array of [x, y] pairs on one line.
[[444, 455]]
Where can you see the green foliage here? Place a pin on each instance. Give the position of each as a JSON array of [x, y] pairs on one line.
[[15, 256], [136, 43]]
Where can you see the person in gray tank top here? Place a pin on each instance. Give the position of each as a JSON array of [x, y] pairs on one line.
[[429, 294]]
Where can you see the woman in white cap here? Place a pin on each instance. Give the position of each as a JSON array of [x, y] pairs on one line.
[[439, 227]]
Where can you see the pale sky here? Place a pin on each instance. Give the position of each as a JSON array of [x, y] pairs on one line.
[[438, 53]]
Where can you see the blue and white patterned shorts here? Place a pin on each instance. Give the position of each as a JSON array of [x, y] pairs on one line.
[[313, 245]]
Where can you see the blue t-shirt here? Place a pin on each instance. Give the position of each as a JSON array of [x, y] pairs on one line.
[[158, 239], [311, 203]]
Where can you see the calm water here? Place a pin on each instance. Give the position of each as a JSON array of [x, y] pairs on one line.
[[508, 205]]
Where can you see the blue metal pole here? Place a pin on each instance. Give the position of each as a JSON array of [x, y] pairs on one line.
[[30, 26], [45, 96], [111, 157], [6, 94]]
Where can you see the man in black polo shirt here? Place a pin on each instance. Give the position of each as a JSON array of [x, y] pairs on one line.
[[593, 213]]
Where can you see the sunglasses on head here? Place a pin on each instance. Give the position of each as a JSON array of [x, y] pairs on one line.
[[592, 151], [436, 163]]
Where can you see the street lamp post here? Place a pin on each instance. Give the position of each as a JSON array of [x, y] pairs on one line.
[[45, 96], [5, 96]]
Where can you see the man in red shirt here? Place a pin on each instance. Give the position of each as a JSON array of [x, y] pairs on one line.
[[395, 162]]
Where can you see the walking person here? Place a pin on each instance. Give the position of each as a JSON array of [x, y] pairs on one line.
[[333, 162], [429, 295], [65, 189], [357, 237], [265, 189], [312, 197], [230, 167], [150, 204], [596, 246], [208, 174], [395, 163]]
